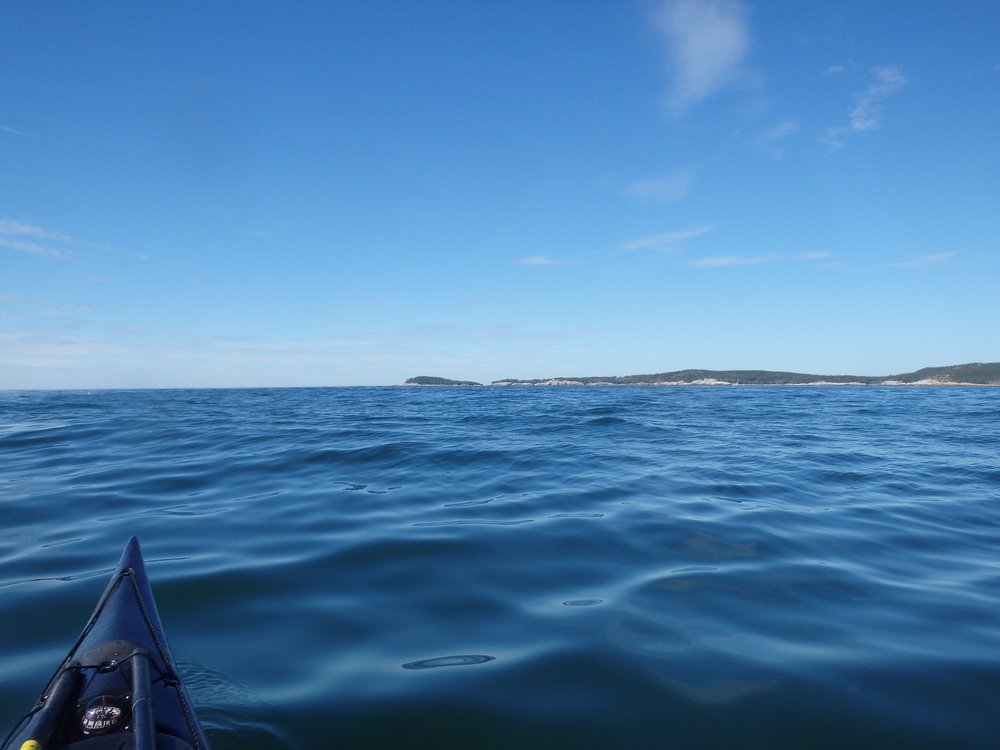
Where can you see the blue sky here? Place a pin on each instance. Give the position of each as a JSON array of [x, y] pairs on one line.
[[236, 194]]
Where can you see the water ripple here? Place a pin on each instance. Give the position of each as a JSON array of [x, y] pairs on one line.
[[459, 660]]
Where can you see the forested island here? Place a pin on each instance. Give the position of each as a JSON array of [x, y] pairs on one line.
[[976, 373], [428, 380]]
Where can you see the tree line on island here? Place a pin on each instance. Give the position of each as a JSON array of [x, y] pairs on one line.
[[976, 373], [428, 380]]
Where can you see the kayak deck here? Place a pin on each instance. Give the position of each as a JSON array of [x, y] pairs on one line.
[[118, 687]]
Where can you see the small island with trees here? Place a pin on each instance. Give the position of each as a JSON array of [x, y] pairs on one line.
[[975, 373], [428, 380]]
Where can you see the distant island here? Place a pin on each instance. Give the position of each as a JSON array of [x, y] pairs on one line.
[[428, 380], [975, 373]]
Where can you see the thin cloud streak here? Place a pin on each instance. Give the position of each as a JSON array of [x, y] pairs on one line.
[[706, 41], [666, 189], [868, 113], [769, 142], [292, 345], [540, 260], [24, 348], [924, 260], [12, 131], [32, 306], [24, 238], [723, 261], [27, 238], [668, 241], [33, 248], [9, 227]]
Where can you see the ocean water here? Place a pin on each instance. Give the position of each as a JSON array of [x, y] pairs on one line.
[[638, 567]]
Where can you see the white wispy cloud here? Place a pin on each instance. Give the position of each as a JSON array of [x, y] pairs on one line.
[[30, 238], [9, 226], [27, 238], [925, 260], [770, 141], [706, 41], [722, 261], [540, 260], [668, 188], [52, 350], [868, 112], [12, 131], [33, 248], [105, 247], [19, 305], [668, 241], [270, 346]]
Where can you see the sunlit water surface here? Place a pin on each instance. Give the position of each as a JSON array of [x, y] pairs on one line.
[[640, 567]]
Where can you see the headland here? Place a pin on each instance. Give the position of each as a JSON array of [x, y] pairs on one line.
[[971, 374]]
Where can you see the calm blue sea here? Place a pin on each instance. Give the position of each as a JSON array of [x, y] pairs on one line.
[[602, 567]]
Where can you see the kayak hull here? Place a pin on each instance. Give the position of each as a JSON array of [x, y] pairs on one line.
[[118, 687]]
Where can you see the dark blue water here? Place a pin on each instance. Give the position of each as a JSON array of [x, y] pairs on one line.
[[643, 567]]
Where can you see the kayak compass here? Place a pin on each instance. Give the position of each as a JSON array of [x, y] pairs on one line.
[[103, 714]]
